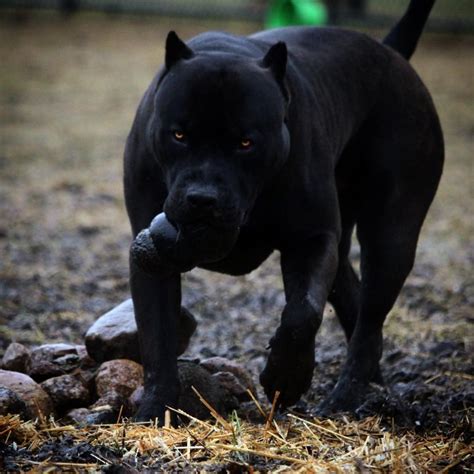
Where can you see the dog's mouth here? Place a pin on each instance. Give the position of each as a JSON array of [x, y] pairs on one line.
[[206, 231], [169, 246], [205, 226], [215, 221], [207, 240]]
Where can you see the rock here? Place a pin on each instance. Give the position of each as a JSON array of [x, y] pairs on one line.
[[77, 416], [191, 374], [12, 404], [110, 401], [66, 391], [108, 408], [194, 375], [87, 377], [135, 398], [105, 410], [114, 335], [51, 360], [120, 376], [16, 358], [230, 382], [27, 390], [221, 364], [86, 361]]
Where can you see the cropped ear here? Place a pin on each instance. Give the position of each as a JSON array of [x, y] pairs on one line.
[[176, 49], [276, 59]]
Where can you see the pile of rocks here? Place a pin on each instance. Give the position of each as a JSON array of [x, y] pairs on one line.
[[98, 382]]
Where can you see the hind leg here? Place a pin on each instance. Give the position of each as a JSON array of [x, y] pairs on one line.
[[385, 264], [345, 294], [388, 225]]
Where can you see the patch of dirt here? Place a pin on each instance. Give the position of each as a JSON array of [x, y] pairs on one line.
[[69, 93]]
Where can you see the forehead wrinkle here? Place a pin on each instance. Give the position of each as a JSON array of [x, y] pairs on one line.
[[218, 100], [223, 95]]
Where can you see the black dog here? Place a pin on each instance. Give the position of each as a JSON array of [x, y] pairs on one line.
[[287, 140]]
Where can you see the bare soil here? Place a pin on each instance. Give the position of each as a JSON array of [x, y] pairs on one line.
[[68, 93]]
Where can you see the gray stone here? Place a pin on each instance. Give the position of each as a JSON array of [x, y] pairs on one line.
[[16, 358], [221, 364], [108, 408], [120, 376], [105, 410], [114, 335], [191, 374], [33, 396], [50, 360], [87, 377], [135, 398], [86, 361], [194, 375], [230, 382], [66, 392], [77, 416], [12, 404]]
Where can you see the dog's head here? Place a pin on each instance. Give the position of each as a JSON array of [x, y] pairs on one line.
[[219, 134]]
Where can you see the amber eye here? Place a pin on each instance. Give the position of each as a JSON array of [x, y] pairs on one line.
[[245, 143], [178, 135]]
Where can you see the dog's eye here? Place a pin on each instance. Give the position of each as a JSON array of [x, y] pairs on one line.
[[179, 135], [245, 144]]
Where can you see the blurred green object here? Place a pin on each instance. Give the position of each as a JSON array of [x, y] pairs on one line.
[[295, 12]]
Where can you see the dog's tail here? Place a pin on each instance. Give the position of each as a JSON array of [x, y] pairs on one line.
[[405, 34]]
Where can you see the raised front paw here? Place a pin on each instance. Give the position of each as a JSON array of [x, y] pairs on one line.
[[289, 370]]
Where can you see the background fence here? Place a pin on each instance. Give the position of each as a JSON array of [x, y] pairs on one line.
[[447, 15]]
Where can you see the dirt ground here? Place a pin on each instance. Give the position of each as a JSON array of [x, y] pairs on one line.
[[68, 93]]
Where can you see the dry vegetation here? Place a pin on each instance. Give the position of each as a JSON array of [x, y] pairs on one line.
[[291, 443]]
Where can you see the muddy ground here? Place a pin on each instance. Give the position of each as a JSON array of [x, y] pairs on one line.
[[68, 92]]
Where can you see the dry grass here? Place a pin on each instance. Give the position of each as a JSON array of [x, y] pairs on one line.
[[293, 443]]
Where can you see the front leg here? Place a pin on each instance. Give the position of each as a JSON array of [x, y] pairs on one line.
[[157, 304], [308, 271]]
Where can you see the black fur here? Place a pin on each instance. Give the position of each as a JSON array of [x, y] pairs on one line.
[[288, 140]]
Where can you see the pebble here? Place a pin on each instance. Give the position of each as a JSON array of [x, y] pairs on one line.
[[77, 415], [221, 364], [191, 374], [230, 382], [120, 376], [50, 360], [66, 392], [16, 358], [12, 404], [28, 391], [108, 408], [114, 334]]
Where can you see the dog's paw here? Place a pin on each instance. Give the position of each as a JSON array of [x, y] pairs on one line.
[[153, 408], [350, 394], [150, 412], [346, 397], [289, 372]]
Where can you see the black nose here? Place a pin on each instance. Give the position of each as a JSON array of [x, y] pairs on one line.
[[201, 198]]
